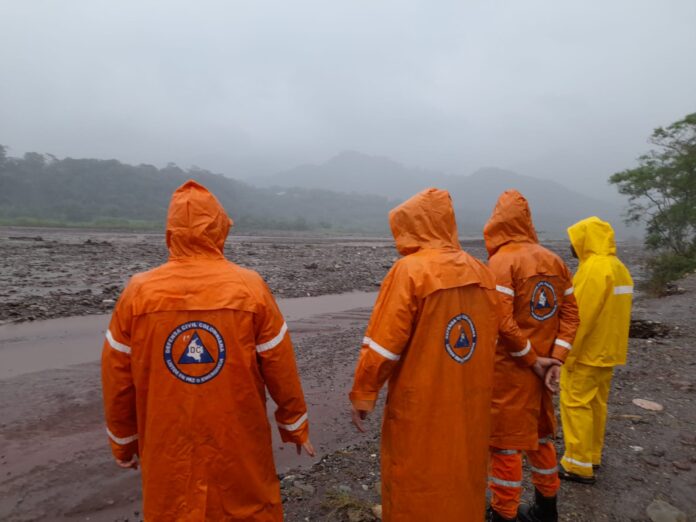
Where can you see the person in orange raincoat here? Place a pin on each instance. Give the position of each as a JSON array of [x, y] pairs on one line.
[[432, 335], [539, 318], [190, 349]]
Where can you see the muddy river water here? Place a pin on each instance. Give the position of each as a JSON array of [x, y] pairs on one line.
[[51, 425], [60, 343]]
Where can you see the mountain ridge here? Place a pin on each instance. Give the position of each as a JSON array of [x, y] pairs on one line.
[[554, 206]]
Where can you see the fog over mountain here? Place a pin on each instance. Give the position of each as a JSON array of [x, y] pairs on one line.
[[554, 206], [564, 91]]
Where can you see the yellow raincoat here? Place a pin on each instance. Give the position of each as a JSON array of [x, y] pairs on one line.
[[603, 290]]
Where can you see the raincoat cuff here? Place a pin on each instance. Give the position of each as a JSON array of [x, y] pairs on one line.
[[364, 401], [125, 452], [559, 353], [296, 436], [526, 356], [528, 359]]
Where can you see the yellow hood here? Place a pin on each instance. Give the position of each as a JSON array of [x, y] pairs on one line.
[[592, 236]]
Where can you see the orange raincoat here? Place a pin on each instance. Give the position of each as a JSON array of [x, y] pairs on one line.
[[539, 318], [432, 335], [189, 351]]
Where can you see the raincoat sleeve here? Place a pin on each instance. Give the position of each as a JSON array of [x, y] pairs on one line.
[[569, 320], [518, 345], [117, 381], [277, 364], [592, 288], [387, 336]]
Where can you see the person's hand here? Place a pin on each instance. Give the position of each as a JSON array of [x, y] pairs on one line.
[[542, 364], [127, 464], [358, 417], [553, 377], [309, 449]]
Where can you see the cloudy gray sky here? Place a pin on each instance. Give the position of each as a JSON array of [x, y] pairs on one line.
[[562, 90]]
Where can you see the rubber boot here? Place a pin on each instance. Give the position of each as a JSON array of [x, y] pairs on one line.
[[543, 510], [494, 516]]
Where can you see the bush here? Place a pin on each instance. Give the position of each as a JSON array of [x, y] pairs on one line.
[[666, 268]]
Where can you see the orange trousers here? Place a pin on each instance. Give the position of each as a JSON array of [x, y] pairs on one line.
[[505, 476]]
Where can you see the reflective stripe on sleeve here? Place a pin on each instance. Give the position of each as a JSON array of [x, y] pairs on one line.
[[543, 441], [505, 290], [116, 345], [269, 345], [523, 352], [577, 462], [569, 291], [506, 483], [292, 427], [561, 342], [122, 441], [548, 471], [618, 290], [381, 350]]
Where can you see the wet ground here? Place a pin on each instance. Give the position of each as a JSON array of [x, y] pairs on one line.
[[54, 459]]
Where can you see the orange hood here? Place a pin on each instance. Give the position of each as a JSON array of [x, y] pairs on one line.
[[197, 224], [424, 221], [511, 221]]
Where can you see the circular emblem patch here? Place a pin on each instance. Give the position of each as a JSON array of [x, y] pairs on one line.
[[195, 352], [544, 303], [460, 338]]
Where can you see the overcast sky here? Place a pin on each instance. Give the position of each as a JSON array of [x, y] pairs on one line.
[[562, 90]]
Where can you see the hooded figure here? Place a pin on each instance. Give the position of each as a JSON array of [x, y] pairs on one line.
[[539, 318], [190, 349], [604, 290], [432, 336]]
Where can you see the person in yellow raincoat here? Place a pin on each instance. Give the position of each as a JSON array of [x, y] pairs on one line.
[[190, 350], [603, 290], [432, 335]]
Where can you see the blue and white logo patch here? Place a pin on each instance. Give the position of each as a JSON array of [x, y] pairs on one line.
[[544, 303], [460, 338], [195, 352]]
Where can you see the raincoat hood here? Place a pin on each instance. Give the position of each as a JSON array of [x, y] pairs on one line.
[[197, 224], [592, 236], [511, 221], [424, 221]]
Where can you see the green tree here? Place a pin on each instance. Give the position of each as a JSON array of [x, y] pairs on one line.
[[662, 194]]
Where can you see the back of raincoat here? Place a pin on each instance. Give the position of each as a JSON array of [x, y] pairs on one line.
[[604, 290], [432, 335], [539, 317], [190, 349]]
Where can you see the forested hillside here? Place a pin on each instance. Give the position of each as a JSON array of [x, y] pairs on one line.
[[43, 190]]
